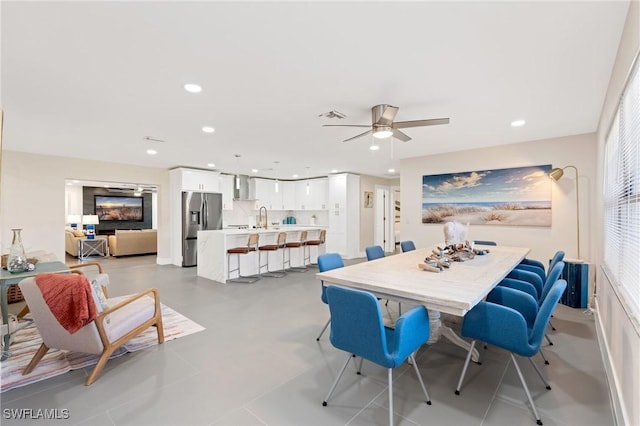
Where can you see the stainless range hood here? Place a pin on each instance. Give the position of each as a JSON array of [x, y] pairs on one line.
[[241, 190]]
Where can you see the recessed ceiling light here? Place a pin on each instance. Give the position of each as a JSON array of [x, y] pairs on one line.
[[254, 170], [294, 175], [391, 170], [208, 129], [518, 123], [374, 147], [211, 165], [334, 171], [192, 88], [152, 152]]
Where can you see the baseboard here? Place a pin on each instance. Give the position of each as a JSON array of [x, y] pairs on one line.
[[163, 260], [620, 415]]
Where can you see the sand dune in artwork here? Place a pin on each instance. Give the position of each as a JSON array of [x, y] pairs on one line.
[[488, 216]]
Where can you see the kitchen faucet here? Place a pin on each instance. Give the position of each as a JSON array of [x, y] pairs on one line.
[[266, 221]]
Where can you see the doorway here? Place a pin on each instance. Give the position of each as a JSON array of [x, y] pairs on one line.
[[384, 218]]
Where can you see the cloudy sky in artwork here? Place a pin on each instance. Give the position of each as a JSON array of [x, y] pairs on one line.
[[498, 185]]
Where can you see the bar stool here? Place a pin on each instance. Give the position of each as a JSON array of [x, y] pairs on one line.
[[317, 243], [281, 243], [301, 243], [252, 246]]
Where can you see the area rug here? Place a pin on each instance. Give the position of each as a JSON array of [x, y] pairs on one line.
[[27, 341]]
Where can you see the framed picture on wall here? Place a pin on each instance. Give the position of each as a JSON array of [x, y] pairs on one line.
[[519, 196], [368, 199]]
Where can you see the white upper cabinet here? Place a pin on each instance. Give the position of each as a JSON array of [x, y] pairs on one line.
[[288, 195], [227, 184], [311, 194], [199, 180], [265, 193]]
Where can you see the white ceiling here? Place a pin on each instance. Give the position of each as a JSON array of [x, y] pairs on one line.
[[92, 79]]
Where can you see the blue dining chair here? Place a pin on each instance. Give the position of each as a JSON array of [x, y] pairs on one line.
[[327, 262], [374, 252], [357, 328], [530, 282], [485, 242], [407, 246], [518, 328], [537, 267]]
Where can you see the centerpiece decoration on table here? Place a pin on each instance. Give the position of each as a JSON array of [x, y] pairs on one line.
[[457, 249]]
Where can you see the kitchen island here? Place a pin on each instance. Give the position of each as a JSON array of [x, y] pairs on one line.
[[213, 246]]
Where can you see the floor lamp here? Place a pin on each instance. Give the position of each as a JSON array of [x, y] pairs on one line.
[[556, 174]]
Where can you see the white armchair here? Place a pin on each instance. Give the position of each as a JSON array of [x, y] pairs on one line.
[[127, 317]]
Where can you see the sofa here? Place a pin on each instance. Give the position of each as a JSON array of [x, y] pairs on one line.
[[71, 238], [137, 241]]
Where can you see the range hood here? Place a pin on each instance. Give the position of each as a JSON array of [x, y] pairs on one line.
[[241, 190]]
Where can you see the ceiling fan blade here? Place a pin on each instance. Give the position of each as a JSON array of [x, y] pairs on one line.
[[401, 136], [420, 123], [346, 125], [358, 136], [387, 116]]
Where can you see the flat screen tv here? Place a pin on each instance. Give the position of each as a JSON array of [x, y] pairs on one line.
[[119, 208]]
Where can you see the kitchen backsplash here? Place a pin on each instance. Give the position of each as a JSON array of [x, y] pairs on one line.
[[244, 213]]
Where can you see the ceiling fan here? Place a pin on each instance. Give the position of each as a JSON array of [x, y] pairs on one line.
[[383, 126]]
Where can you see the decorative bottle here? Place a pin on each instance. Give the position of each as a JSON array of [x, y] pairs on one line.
[[17, 259]]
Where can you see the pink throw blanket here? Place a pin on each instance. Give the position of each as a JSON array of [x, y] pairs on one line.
[[69, 298]]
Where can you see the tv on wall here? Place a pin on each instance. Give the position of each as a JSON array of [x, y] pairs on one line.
[[119, 208]]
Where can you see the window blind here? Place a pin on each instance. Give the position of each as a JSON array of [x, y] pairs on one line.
[[622, 196]]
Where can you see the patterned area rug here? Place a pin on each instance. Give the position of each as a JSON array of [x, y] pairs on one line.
[[27, 341]]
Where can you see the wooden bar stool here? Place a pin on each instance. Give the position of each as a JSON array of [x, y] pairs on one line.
[[301, 243], [281, 244], [252, 246], [316, 243]]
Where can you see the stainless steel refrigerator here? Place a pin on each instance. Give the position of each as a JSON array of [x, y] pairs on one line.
[[201, 211]]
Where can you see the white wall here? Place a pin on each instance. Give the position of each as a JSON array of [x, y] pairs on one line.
[[619, 335], [579, 151], [32, 197]]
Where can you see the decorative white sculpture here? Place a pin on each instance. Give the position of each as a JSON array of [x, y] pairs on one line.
[[455, 233]]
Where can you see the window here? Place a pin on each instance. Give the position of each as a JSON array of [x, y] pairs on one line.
[[622, 196]]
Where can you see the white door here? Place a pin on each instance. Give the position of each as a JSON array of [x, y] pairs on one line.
[[383, 219]]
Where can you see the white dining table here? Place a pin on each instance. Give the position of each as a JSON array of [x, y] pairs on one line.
[[455, 290]]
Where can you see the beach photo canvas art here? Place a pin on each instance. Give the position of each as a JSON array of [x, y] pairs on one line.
[[519, 196]]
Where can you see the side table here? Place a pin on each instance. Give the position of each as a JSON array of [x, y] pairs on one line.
[[94, 247]]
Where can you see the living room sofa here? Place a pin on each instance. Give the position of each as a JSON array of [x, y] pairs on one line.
[[137, 241]]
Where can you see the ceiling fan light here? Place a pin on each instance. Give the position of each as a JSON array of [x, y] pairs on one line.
[[382, 132]]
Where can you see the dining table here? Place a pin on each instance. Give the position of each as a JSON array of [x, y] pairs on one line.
[[8, 279], [454, 290]]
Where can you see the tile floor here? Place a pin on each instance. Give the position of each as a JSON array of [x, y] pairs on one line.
[[258, 363]]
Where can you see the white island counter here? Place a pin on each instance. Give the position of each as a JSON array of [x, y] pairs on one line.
[[213, 246]]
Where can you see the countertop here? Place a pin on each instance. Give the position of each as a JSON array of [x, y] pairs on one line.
[[271, 229]]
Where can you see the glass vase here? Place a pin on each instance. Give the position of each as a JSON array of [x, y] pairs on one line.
[[17, 259]]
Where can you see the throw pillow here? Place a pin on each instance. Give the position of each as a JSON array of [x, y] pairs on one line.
[[78, 233], [98, 298]]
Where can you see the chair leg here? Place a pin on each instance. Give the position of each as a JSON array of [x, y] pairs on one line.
[[526, 390], [546, 384], [464, 369], [551, 325], [323, 329], [546, 362], [335, 383], [390, 375], [548, 340], [42, 351], [424, 389], [359, 371]]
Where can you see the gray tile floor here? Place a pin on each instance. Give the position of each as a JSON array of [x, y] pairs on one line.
[[258, 363]]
